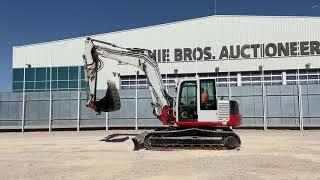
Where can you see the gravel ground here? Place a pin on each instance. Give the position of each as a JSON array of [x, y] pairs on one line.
[[275, 154]]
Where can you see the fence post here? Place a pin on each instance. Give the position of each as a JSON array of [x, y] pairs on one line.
[[50, 94], [50, 109], [23, 96], [264, 100], [136, 119], [299, 101], [78, 113], [23, 110], [300, 107], [79, 98]]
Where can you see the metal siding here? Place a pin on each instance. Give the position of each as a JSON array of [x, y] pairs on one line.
[[213, 31], [282, 108], [145, 115]]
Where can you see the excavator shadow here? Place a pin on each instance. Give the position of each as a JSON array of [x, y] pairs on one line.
[[138, 139], [117, 137]]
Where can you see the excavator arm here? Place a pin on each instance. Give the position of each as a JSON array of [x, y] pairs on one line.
[[161, 101]]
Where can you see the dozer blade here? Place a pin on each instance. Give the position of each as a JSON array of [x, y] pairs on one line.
[[111, 101], [138, 141]]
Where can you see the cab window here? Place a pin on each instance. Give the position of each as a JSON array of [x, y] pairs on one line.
[[208, 99], [188, 101], [188, 93]]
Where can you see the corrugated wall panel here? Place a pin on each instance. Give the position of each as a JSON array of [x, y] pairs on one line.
[[213, 31], [282, 108]]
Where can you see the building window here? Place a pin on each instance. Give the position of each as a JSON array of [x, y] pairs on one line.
[[63, 73], [73, 73], [83, 84], [54, 85], [40, 86], [38, 79], [17, 86], [17, 75], [30, 74], [54, 73], [222, 80], [82, 72], [29, 85], [73, 84], [62, 84], [41, 74]]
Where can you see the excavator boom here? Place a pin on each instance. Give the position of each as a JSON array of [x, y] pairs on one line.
[[133, 56]]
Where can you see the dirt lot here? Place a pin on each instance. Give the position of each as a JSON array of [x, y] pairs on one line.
[[275, 154]]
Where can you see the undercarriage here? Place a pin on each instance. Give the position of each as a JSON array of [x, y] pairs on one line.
[[171, 138]]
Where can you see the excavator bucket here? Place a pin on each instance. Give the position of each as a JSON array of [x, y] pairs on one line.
[[111, 101]]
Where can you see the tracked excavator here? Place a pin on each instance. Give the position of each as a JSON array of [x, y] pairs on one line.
[[193, 121]]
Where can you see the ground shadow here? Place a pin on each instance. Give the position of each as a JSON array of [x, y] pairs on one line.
[[116, 138]]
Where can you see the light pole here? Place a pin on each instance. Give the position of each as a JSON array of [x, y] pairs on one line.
[[79, 100], [50, 95], [264, 102], [217, 71], [24, 96], [307, 66], [262, 74], [175, 72]]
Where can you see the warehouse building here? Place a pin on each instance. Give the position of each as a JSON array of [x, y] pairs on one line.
[[242, 47], [270, 64]]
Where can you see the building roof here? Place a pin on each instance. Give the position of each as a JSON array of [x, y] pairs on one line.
[[165, 24]]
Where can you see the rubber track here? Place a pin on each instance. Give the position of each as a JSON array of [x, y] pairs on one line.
[[167, 132]]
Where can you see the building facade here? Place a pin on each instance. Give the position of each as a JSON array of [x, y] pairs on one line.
[[237, 50], [270, 64]]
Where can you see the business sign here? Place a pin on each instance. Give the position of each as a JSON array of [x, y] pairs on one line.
[[233, 52]]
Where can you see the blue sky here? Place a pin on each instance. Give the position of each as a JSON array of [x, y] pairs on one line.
[[33, 21]]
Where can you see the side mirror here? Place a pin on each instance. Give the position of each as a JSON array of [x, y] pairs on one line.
[[222, 97]]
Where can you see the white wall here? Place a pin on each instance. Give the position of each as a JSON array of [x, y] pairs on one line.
[[213, 31]]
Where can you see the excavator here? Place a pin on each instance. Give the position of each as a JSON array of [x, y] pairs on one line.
[[188, 123]]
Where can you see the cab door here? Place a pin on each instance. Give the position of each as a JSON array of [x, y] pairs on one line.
[[207, 101], [187, 102]]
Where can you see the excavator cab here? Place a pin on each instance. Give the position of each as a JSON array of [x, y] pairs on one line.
[[197, 100], [197, 105]]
